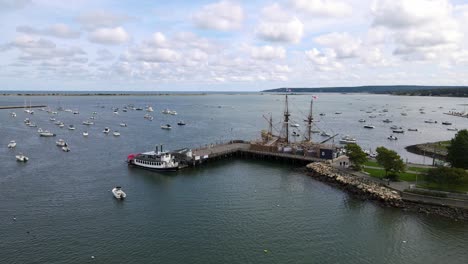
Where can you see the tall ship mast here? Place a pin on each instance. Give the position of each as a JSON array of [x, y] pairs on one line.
[[310, 121]]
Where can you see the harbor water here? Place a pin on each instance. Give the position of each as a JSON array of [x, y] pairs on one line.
[[58, 207]]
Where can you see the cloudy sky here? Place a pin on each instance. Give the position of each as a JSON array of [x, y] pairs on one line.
[[230, 45]]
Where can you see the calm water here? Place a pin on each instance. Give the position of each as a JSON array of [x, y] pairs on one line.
[[228, 212]]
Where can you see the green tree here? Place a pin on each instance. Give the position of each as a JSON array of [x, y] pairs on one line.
[[458, 150], [444, 175], [390, 161], [356, 155]]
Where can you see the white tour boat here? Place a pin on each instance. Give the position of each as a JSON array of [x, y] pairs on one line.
[[155, 160]]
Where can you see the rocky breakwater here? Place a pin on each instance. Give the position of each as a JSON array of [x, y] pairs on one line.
[[361, 187]]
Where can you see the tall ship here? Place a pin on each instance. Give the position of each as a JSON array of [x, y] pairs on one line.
[[159, 160]]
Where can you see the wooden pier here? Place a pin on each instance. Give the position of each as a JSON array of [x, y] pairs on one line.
[[242, 149]]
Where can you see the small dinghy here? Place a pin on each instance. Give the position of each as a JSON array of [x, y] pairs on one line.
[[21, 158], [61, 143], [71, 127], [123, 124], [118, 193], [66, 148], [413, 129], [116, 133], [106, 130], [85, 134], [391, 137], [46, 133], [167, 126], [181, 123]]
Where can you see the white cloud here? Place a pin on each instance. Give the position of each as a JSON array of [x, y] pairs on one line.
[[6, 5], [110, 36], [222, 15], [57, 30], [158, 39], [267, 53], [343, 44], [323, 8], [323, 61], [156, 55], [104, 55], [101, 19], [289, 32]]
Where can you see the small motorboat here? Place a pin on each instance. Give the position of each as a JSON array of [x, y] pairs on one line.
[[32, 125], [338, 113], [430, 121], [60, 143], [322, 114], [52, 119], [167, 126], [22, 158], [362, 120], [315, 131], [452, 129], [325, 134], [12, 144], [387, 120], [119, 193], [106, 130], [446, 123], [149, 109], [392, 137], [413, 129], [88, 123], [123, 124], [347, 140], [40, 130], [27, 121], [173, 113], [369, 126], [295, 125], [394, 127], [149, 117], [295, 134], [66, 148], [71, 127], [85, 134], [76, 112], [372, 116], [61, 125], [181, 123], [13, 114], [404, 114], [46, 133], [116, 133], [399, 131]]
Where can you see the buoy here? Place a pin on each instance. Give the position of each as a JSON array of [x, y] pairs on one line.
[[92, 257], [265, 251], [404, 241]]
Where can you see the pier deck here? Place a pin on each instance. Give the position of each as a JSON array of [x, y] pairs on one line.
[[218, 151]]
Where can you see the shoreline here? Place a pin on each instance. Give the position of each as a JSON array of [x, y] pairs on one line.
[[364, 189]]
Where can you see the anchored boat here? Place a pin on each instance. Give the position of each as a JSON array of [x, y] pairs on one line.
[[158, 160], [118, 193]]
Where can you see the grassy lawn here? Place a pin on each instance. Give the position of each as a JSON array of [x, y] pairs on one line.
[[462, 188], [405, 176], [372, 163], [417, 169]]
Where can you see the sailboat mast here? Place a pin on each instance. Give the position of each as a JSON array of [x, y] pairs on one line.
[[310, 120], [286, 119]]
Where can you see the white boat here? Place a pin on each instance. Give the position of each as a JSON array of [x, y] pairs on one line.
[[391, 137], [71, 127], [32, 125], [166, 111], [12, 144], [52, 119], [85, 134], [166, 126], [116, 133], [149, 109], [106, 130], [13, 114], [58, 122], [123, 124], [61, 125], [60, 143], [22, 158], [27, 121], [395, 127], [88, 123], [294, 125], [66, 148], [46, 133], [362, 120], [148, 116], [118, 193], [347, 140], [40, 130], [325, 134], [68, 110], [158, 160], [369, 126], [76, 112], [413, 129], [173, 113]]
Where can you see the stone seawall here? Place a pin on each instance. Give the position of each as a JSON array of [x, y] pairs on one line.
[[368, 190]]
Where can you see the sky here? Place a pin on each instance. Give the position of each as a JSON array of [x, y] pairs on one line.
[[229, 45]]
